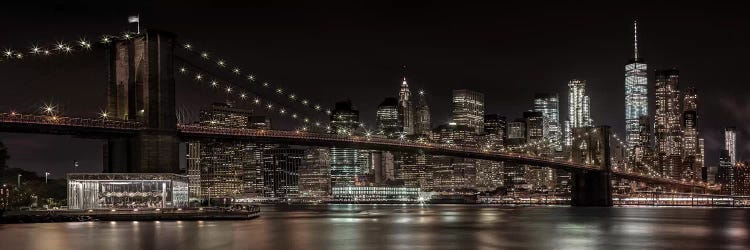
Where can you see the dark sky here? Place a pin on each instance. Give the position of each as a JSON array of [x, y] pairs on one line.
[[334, 51]]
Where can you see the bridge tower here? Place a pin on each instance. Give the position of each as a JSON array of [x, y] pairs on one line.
[[141, 87], [592, 187]]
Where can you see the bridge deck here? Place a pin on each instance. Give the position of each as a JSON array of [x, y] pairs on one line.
[[18, 123]]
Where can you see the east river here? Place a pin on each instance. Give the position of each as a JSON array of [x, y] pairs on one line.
[[409, 227]]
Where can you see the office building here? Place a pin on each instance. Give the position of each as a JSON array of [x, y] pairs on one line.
[[725, 174], [422, 118], [388, 118], [667, 126], [406, 107], [549, 106], [468, 109], [636, 93], [579, 104], [281, 172], [315, 175], [730, 143]]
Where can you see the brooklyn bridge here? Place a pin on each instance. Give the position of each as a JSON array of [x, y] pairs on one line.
[[142, 132]]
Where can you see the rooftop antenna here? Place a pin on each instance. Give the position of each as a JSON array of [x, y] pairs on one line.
[[635, 38]]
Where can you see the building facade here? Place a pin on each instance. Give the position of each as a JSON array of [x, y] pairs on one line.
[[636, 94], [468, 109]]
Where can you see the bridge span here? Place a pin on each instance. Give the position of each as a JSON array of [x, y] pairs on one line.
[[107, 128]]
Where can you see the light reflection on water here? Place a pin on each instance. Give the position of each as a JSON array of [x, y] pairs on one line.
[[408, 227]]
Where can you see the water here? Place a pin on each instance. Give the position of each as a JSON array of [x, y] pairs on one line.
[[409, 227]]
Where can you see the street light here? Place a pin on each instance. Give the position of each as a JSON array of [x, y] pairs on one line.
[[46, 174], [19, 182]]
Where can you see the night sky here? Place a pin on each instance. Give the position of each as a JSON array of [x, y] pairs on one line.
[[334, 51]]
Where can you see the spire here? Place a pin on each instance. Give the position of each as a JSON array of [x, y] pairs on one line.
[[403, 75], [635, 39]]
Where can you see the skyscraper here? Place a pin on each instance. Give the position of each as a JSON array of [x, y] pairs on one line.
[[388, 119], [346, 163], [281, 172], [579, 104], [315, 175], [690, 138], [730, 144], [725, 173], [405, 105], [221, 168], [636, 93], [667, 113], [549, 106], [468, 109], [423, 123], [344, 118]]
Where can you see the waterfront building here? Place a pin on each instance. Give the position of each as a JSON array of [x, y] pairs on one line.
[[468, 109], [315, 175], [131, 190], [379, 194], [490, 175], [388, 118], [742, 179], [281, 172], [636, 94], [346, 163], [4, 195], [549, 106], [219, 169], [725, 173]]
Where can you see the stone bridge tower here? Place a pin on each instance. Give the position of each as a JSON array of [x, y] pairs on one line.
[[592, 187], [141, 87]]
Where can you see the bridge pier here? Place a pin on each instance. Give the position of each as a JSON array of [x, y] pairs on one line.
[[591, 188], [141, 88]]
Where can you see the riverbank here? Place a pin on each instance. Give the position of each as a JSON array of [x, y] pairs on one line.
[[45, 216]]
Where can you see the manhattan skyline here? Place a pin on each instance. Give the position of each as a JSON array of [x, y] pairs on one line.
[[354, 53]]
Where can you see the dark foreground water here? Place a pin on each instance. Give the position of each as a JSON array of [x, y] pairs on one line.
[[409, 227]]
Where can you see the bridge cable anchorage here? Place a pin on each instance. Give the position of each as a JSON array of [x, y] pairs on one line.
[[61, 47], [235, 90], [251, 78]]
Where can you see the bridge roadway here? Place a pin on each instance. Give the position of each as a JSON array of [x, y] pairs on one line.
[[106, 128]]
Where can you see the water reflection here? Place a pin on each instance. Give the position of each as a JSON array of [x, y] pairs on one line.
[[408, 227]]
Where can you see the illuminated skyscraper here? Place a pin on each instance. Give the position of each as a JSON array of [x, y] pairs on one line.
[[667, 114], [667, 128], [423, 123], [224, 169], [725, 173], [388, 119], [281, 172], [579, 104], [405, 105], [345, 162], [468, 109], [549, 106], [730, 144], [692, 150], [315, 175], [636, 93]]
